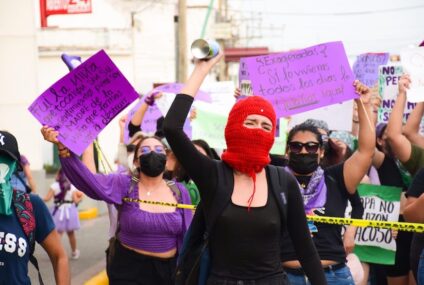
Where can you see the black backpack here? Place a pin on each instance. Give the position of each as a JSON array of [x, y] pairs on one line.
[[194, 258]]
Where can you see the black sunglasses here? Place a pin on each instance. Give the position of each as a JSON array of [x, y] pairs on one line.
[[310, 147]]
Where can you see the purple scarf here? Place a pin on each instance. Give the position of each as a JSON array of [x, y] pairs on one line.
[[315, 194]]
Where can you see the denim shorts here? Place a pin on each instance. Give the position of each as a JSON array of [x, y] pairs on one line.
[[339, 276]]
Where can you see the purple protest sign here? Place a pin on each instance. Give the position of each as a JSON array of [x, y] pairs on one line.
[[84, 101], [153, 113], [176, 88], [366, 66], [149, 121], [301, 80]]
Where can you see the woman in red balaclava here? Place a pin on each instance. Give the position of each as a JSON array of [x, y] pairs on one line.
[[245, 241]]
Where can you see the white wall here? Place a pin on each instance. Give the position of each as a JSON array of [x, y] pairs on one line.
[[18, 76]]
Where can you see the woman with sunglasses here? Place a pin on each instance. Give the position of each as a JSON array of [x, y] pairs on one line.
[[326, 191], [149, 235]]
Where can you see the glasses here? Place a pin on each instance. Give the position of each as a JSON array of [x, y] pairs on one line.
[[310, 147], [147, 149]]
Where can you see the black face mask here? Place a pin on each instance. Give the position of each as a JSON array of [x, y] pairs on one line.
[[303, 163], [152, 164]]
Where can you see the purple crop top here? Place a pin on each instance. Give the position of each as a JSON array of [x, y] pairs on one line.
[[154, 232]]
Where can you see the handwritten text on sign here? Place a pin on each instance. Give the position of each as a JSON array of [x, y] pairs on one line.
[[84, 101], [389, 76], [301, 80], [381, 203], [366, 66]]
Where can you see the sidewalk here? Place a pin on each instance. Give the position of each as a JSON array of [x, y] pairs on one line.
[[92, 240]]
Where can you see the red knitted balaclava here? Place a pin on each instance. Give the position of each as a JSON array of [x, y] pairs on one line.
[[248, 149]]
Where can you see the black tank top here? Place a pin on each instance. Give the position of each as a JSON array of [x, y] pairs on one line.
[[243, 244]]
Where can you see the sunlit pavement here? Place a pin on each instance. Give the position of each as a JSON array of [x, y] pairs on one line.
[[92, 240]]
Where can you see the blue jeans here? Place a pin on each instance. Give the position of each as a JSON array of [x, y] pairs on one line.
[[420, 272], [279, 279], [340, 276]]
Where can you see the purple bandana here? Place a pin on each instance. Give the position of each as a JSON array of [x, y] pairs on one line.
[[315, 194]]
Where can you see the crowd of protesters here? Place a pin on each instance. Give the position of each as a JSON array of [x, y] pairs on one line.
[[251, 207]]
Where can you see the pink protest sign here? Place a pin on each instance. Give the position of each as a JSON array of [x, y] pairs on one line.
[[84, 101], [301, 80], [149, 124], [366, 66]]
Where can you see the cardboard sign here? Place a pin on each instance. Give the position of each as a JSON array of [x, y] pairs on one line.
[[381, 203], [366, 66], [160, 108], [302, 80], [389, 76], [84, 101], [413, 64], [342, 111]]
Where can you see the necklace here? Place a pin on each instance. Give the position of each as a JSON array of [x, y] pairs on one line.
[[150, 191]]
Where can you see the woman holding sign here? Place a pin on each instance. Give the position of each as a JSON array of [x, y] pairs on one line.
[[240, 193], [148, 235], [326, 191]]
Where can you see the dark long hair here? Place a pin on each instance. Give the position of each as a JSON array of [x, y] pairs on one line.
[[64, 184], [305, 128], [210, 152]]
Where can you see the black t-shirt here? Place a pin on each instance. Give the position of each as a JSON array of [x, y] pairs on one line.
[[416, 190], [389, 173], [328, 240], [203, 171], [417, 185]]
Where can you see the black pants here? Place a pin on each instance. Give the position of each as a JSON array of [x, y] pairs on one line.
[[131, 268], [280, 279]]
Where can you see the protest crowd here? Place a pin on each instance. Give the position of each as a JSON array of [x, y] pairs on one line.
[[328, 205]]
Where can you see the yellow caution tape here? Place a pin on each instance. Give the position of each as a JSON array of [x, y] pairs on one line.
[[400, 226], [167, 204]]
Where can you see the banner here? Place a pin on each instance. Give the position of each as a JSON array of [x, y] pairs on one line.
[[381, 203], [413, 64], [302, 80], [366, 66], [84, 101]]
